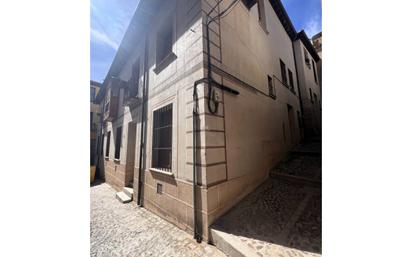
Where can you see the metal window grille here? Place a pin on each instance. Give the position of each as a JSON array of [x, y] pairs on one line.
[[162, 138]]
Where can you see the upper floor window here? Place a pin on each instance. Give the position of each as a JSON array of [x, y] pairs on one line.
[[164, 44], [118, 143], [108, 144], [314, 71], [92, 94], [162, 138], [271, 87], [249, 3], [133, 87], [260, 9], [292, 86], [283, 73], [307, 60]]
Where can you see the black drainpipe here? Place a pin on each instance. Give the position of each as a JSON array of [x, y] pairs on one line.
[[196, 234], [143, 125]]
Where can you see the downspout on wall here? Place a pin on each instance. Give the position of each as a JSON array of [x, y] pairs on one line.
[[143, 124]]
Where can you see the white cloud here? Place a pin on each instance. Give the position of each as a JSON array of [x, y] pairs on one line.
[[313, 26], [102, 38]]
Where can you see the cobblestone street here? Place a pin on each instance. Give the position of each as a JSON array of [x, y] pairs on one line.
[[126, 230]]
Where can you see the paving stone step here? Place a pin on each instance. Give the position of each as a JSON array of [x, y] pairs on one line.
[[230, 245], [122, 197], [128, 191]]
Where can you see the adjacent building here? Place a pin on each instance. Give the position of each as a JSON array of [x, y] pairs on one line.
[[317, 43], [309, 84], [95, 121], [201, 101]]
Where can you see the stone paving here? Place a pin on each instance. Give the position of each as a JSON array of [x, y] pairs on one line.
[[281, 218], [300, 166], [124, 230]]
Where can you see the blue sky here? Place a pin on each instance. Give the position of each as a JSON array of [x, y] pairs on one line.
[[109, 20], [305, 14]]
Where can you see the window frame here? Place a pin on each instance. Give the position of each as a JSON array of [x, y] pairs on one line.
[[169, 56], [283, 73], [108, 136], [92, 94], [118, 143], [271, 87], [159, 127], [314, 71], [291, 83]]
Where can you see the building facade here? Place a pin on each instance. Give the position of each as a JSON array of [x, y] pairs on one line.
[[307, 62], [95, 121], [201, 101], [317, 43]]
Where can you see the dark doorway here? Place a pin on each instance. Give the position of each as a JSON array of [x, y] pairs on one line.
[[130, 153]]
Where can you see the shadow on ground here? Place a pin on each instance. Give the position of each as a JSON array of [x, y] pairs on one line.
[[280, 214]]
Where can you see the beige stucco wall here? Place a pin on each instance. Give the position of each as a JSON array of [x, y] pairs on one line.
[[252, 122]]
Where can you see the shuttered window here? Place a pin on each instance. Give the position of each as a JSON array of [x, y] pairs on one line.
[[162, 138]]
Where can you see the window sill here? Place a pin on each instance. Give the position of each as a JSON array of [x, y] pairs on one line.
[[165, 62], [106, 158], [168, 173], [117, 160]]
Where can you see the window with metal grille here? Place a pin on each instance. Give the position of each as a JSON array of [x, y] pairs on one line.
[[314, 71], [283, 73], [118, 143], [162, 138], [292, 86], [107, 144]]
